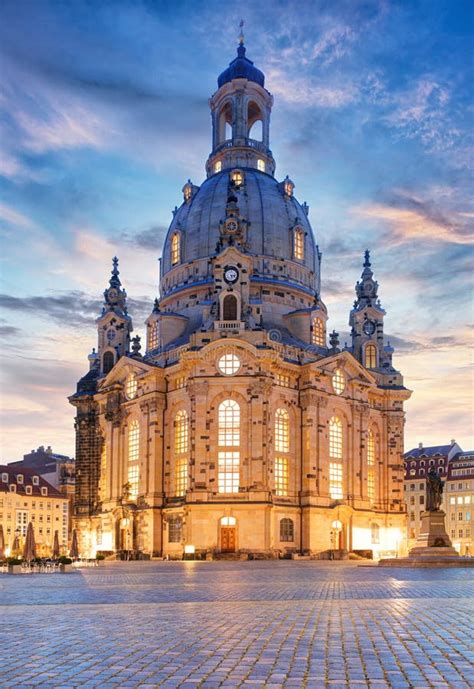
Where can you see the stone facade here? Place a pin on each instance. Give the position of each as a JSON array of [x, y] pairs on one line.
[[241, 429]]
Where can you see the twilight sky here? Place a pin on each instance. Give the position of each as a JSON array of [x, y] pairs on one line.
[[104, 116]]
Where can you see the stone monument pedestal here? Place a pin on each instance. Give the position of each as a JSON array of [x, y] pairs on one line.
[[433, 547]]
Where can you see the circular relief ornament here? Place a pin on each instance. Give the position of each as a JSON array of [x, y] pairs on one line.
[[228, 364], [369, 328], [231, 275]]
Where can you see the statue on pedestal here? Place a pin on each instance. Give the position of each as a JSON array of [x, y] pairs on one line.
[[434, 491]]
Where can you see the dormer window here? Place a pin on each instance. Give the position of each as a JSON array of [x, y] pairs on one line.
[[175, 249], [5, 478], [12, 488], [44, 491], [188, 191], [288, 186], [261, 165], [237, 177], [218, 166], [19, 478], [298, 244], [28, 490], [35, 480]]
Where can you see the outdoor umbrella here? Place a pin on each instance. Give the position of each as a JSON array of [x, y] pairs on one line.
[[74, 550], [29, 551], [56, 545], [2, 543]]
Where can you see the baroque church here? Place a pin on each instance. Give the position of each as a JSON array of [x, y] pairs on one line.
[[242, 427]]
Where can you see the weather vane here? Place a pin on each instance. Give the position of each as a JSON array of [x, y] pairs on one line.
[[241, 35]]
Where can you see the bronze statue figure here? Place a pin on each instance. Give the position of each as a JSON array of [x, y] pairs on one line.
[[434, 490]]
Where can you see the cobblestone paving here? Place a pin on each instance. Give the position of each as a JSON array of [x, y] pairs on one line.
[[238, 624]]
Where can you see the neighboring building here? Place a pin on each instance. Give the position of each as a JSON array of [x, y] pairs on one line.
[[58, 470], [25, 497], [243, 427], [456, 468], [460, 501]]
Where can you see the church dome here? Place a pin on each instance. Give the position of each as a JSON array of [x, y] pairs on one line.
[[241, 68], [270, 214]]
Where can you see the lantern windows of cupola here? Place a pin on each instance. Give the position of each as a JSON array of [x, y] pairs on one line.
[[175, 249], [218, 166], [261, 165], [298, 244]]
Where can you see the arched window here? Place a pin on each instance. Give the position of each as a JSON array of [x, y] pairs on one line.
[[318, 332], [254, 122], [225, 123], [371, 466], [371, 356], [282, 446], [133, 459], [375, 533], [229, 441], [298, 244], [153, 335], [335, 458], [107, 362], [175, 249], [230, 308], [287, 530], [181, 449]]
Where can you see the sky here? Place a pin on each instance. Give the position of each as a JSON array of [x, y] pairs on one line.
[[104, 116]]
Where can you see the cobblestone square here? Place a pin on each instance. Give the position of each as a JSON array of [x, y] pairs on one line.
[[238, 624]]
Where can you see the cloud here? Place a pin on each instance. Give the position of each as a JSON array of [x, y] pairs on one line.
[[334, 44], [9, 330], [150, 238], [14, 217], [75, 308], [409, 217]]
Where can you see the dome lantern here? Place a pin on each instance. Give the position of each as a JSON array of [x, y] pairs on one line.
[[240, 111]]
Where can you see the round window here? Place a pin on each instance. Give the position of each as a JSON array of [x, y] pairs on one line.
[[338, 381], [228, 364]]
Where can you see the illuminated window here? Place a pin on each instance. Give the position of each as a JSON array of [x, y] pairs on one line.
[[175, 249], [287, 530], [335, 480], [131, 387], [288, 187], [371, 466], [228, 521], [282, 380], [335, 455], [261, 165], [282, 431], [281, 476], [338, 382], [133, 457], [298, 244], [181, 432], [218, 166], [188, 191], [318, 332], [237, 176], [371, 356], [228, 437], [175, 528], [375, 533], [229, 364], [153, 335], [181, 448]]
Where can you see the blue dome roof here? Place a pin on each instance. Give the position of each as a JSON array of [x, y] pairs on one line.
[[241, 68]]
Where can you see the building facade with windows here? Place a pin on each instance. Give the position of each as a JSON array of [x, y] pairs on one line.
[[242, 426], [460, 501], [26, 497]]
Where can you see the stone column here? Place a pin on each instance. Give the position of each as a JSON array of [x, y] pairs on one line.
[[199, 437], [258, 475], [310, 450]]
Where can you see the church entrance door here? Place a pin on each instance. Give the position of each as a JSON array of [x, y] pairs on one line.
[[227, 539]]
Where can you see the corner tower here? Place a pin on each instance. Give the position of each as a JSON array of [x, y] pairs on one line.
[[114, 325]]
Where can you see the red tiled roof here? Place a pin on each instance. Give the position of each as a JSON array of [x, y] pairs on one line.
[[14, 472]]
